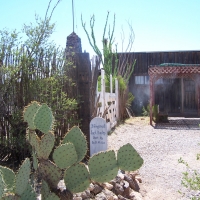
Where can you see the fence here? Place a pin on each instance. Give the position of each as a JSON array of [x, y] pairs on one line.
[[23, 80], [107, 102]]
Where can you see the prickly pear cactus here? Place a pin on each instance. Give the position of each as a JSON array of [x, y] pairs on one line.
[[65, 156], [22, 177], [44, 119], [77, 178], [77, 138], [50, 173], [16, 186], [2, 185], [123, 158], [8, 176], [29, 194], [103, 166], [29, 113]]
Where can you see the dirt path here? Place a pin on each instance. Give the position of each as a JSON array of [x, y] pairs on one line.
[[160, 148]]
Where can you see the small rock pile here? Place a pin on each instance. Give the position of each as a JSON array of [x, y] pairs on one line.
[[124, 186]]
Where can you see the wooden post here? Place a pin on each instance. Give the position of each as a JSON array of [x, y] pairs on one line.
[[182, 95], [151, 99], [117, 98], [103, 90]]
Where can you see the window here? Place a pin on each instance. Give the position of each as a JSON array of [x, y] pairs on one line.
[[141, 80]]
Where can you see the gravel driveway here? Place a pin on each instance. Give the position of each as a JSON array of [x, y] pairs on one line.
[[160, 148]]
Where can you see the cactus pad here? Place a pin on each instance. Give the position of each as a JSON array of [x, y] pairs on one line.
[[77, 178], [46, 145], [45, 190], [22, 177], [33, 139], [35, 160], [65, 156], [29, 194], [128, 158], [10, 196], [103, 166], [76, 136], [2, 185], [53, 196], [29, 113], [44, 119], [8, 176], [50, 173]]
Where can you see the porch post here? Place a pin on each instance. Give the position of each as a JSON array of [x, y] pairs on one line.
[[182, 95], [151, 98]]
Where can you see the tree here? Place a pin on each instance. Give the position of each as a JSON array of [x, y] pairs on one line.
[[120, 65], [32, 69]]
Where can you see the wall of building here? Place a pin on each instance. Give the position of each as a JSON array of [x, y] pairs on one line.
[[139, 81]]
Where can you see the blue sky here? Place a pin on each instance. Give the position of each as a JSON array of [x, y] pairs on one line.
[[159, 25]]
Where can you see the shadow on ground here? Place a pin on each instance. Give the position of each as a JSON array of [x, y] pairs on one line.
[[177, 123]]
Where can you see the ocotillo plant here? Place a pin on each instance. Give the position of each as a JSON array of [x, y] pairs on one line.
[[67, 159]]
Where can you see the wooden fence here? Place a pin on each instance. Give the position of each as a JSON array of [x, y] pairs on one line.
[[108, 107], [46, 78]]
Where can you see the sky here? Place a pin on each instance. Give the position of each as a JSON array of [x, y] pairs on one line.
[[159, 25]]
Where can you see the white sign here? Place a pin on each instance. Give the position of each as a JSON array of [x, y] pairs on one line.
[[98, 135]]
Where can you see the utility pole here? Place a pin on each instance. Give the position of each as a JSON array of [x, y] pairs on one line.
[[73, 13]]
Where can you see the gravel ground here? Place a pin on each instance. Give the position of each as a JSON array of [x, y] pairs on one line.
[[160, 148]]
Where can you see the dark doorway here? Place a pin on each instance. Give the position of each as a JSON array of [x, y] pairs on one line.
[[168, 95], [189, 96]]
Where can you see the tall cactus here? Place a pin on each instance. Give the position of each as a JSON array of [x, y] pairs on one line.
[[67, 156]]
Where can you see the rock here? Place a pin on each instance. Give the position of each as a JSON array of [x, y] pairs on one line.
[[97, 189], [100, 196], [134, 174], [120, 197], [126, 189], [77, 198], [84, 195], [91, 187], [137, 177], [135, 195], [133, 183], [109, 195], [118, 189], [107, 186], [121, 176]]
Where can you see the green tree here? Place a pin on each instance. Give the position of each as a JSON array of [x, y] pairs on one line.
[[33, 68], [116, 64]]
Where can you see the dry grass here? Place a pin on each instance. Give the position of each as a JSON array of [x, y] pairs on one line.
[[138, 120]]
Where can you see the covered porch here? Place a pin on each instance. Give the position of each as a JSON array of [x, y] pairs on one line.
[[175, 88]]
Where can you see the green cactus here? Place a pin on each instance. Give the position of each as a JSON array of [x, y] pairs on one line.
[[2, 185], [29, 194], [22, 177], [123, 158], [50, 173], [76, 136], [77, 178], [10, 196], [29, 113], [46, 145], [45, 190], [65, 156], [8, 176], [44, 119], [35, 160], [103, 166]]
